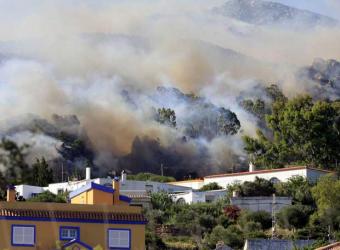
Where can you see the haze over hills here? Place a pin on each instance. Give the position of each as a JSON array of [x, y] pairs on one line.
[[106, 71], [259, 12]]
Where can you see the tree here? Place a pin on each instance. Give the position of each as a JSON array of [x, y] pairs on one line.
[[3, 184], [298, 188], [327, 193], [47, 196], [161, 200], [258, 187], [227, 122], [210, 186], [274, 92], [303, 132], [166, 116], [12, 157], [42, 175], [257, 107], [294, 216]]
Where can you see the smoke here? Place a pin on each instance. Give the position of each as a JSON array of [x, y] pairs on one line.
[[77, 57], [39, 145]]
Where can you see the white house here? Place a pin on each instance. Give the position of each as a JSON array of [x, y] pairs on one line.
[[274, 175], [127, 187], [192, 196]]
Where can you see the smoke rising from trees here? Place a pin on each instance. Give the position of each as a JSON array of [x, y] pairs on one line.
[[79, 57]]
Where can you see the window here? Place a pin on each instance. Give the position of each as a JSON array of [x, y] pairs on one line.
[[119, 238], [69, 233], [23, 235]]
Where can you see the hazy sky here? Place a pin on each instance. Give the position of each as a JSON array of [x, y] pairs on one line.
[[8, 8], [326, 7]]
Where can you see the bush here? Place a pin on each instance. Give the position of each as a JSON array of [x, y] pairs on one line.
[[153, 241], [47, 196], [150, 177], [224, 221], [262, 217], [161, 200], [298, 188], [232, 212], [259, 187], [231, 236], [210, 186], [294, 216]]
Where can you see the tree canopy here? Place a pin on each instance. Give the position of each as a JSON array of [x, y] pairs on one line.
[[42, 175], [150, 177], [302, 132]]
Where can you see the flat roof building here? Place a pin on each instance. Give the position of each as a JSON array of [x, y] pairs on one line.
[[97, 217], [274, 175]]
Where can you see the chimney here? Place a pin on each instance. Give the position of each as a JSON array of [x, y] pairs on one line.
[[251, 167], [116, 187], [88, 174], [123, 176], [235, 194], [11, 193]]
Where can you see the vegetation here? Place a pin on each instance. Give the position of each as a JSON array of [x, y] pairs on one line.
[[150, 177], [210, 186], [302, 131], [259, 187], [47, 196], [17, 171], [166, 116], [12, 157], [42, 175], [315, 210]]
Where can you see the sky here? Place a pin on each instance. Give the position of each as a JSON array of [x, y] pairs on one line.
[[326, 7]]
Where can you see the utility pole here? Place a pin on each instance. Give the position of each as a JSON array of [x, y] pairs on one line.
[[162, 170], [62, 172], [274, 217]]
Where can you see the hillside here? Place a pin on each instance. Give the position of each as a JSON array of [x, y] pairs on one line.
[[260, 12]]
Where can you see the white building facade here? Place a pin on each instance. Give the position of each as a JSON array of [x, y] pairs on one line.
[[127, 187], [192, 196], [274, 175]]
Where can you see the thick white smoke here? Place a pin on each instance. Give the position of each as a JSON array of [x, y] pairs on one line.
[[76, 57]]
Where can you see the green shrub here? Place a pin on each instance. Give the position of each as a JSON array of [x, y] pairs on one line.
[[210, 186], [47, 196], [262, 217], [294, 216]]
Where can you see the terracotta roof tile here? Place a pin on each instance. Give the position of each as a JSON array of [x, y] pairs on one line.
[[84, 215]]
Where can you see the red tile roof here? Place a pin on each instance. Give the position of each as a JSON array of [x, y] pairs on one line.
[[290, 168], [80, 215]]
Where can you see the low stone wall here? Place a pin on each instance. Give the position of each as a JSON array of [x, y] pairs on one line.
[[261, 203], [263, 244]]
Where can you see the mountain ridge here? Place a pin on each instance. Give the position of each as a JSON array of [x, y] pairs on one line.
[[259, 12]]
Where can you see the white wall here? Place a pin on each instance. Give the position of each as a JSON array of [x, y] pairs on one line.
[[190, 184], [191, 197], [126, 186], [283, 176], [26, 191], [261, 203]]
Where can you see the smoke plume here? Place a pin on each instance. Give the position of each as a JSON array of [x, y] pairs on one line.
[[78, 57]]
